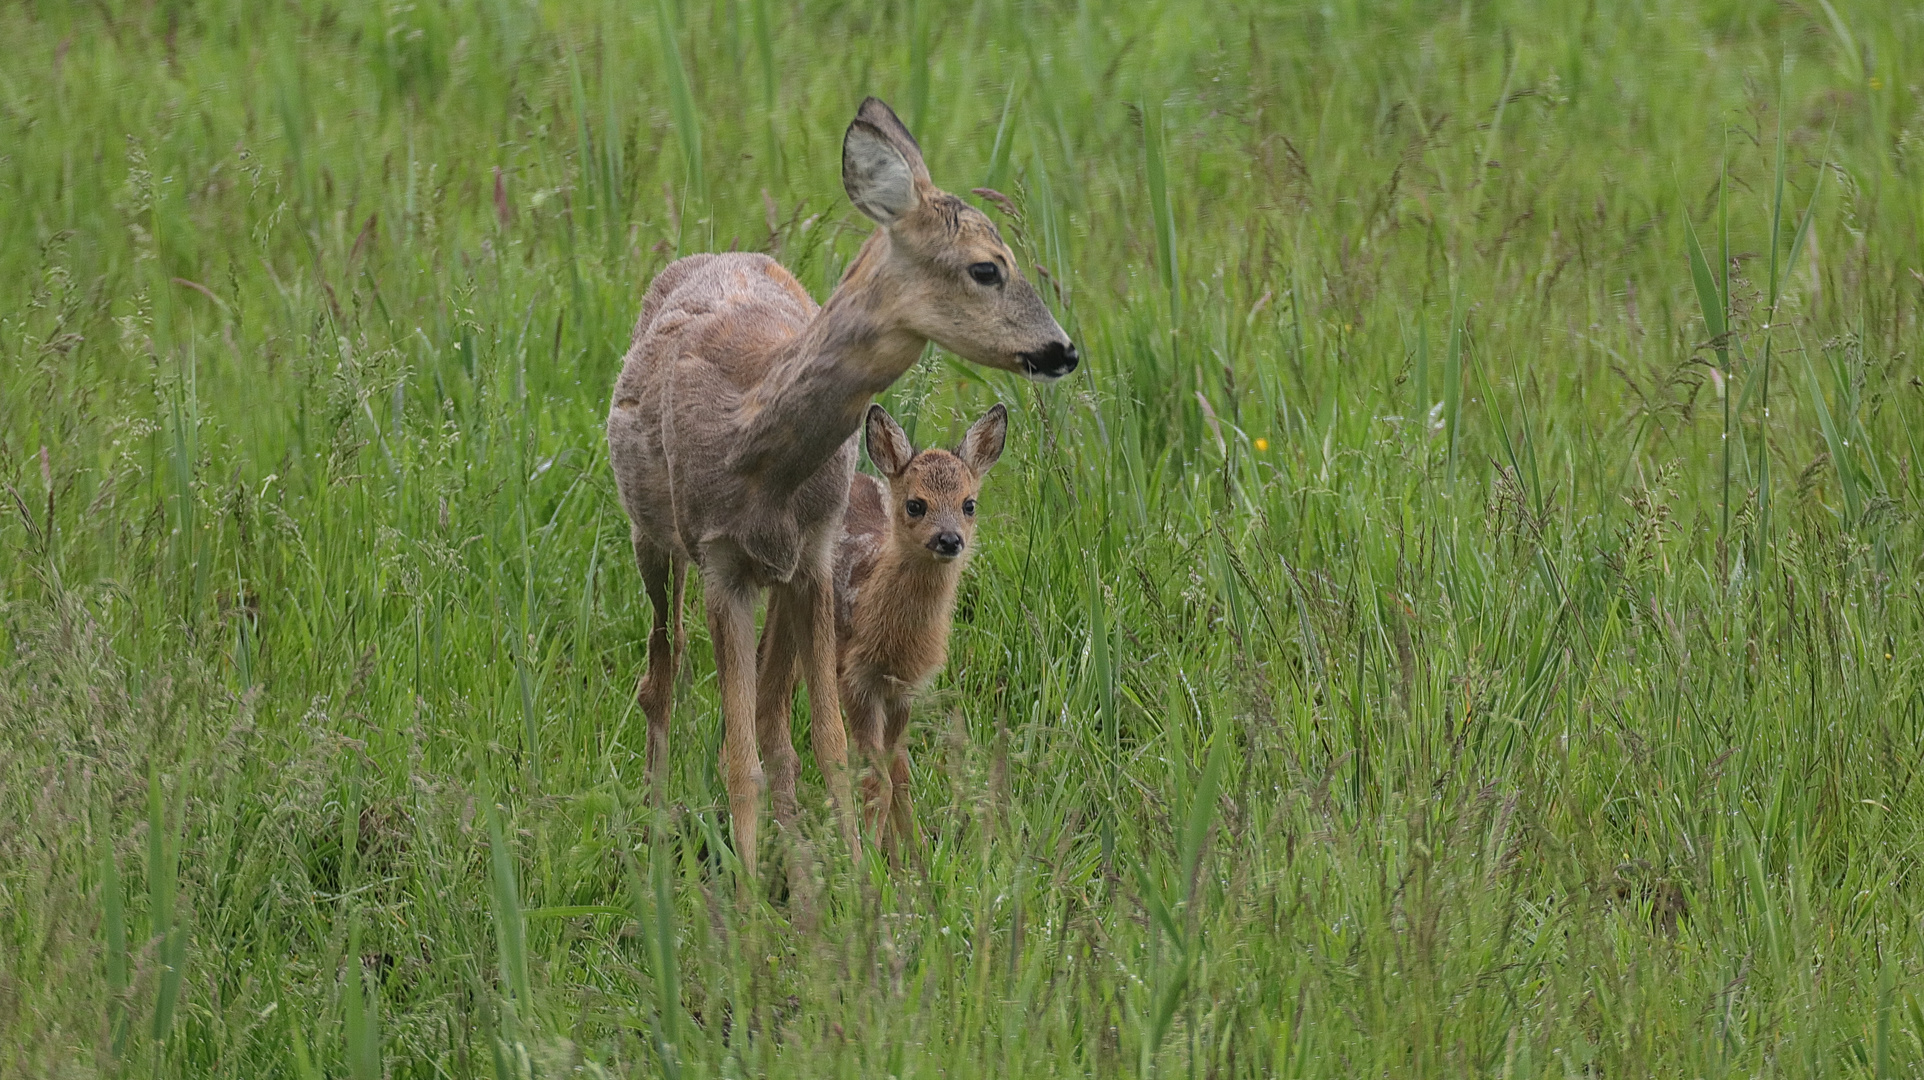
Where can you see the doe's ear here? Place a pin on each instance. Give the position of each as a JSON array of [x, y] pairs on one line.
[[888, 447], [882, 166], [982, 445], [877, 113], [875, 174]]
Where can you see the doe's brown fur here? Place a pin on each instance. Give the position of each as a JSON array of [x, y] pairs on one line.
[[905, 541]]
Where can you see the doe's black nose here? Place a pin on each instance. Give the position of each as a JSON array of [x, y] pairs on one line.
[[1052, 361], [947, 544]]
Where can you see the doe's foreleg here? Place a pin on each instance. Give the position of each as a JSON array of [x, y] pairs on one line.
[[662, 575], [731, 625], [814, 596]]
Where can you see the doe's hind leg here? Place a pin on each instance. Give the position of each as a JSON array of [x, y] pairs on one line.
[[731, 625], [663, 575]]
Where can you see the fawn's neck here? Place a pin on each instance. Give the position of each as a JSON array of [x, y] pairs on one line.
[[911, 598], [815, 393]]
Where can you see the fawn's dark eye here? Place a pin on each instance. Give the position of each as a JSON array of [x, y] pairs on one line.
[[986, 273], [916, 507], [968, 507]]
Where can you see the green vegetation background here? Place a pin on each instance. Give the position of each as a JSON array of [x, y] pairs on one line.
[[1463, 618]]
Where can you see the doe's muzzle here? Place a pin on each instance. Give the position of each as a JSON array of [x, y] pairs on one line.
[[1052, 361]]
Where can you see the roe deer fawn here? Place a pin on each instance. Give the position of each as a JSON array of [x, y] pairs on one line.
[[731, 433], [905, 542]]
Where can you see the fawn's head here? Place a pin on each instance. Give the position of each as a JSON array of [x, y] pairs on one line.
[[953, 279], [931, 503]]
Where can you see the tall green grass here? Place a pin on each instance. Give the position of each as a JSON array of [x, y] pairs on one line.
[[1462, 620]]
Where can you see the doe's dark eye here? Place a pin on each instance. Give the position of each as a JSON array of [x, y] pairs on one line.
[[968, 507], [986, 273], [916, 507]]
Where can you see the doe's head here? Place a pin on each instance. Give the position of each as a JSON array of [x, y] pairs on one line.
[[932, 494], [957, 283]]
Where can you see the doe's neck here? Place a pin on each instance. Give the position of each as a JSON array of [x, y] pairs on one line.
[[818, 389]]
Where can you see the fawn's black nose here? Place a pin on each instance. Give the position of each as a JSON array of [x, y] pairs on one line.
[[1052, 361], [947, 544]]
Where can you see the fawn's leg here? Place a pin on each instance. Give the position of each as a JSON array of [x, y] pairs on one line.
[[656, 690], [778, 671], [814, 599], [901, 806], [864, 715], [731, 625]]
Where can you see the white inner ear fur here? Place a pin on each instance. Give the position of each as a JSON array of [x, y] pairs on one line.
[[877, 176]]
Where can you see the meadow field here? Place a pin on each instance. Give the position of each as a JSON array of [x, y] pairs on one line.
[[1464, 618]]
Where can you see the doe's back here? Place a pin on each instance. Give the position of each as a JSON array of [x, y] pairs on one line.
[[732, 310]]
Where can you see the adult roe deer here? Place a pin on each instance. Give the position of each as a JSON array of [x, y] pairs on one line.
[[731, 433], [905, 541]]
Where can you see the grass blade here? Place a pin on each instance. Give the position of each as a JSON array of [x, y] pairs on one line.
[[765, 51], [163, 869], [1420, 413], [113, 913], [1453, 382], [510, 931], [1881, 1029], [351, 826], [1100, 665], [613, 169], [586, 165], [1810, 208], [362, 1008], [1775, 296], [585, 612], [1202, 816], [1770, 320], [657, 922], [1004, 137], [771, 76], [1162, 211], [1839, 450], [681, 103], [1710, 301], [526, 634], [304, 1067], [1042, 203], [918, 75]]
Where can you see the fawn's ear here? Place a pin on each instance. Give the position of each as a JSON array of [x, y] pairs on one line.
[[882, 167], [888, 447], [982, 446]]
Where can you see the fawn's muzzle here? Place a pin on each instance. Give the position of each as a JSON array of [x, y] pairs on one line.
[[947, 545], [1053, 361]]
